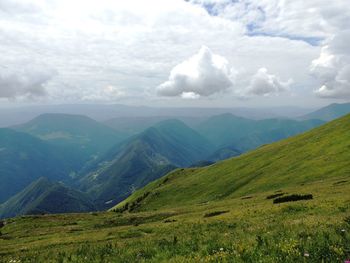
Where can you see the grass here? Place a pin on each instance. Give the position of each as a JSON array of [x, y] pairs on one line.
[[221, 213], [319, 154], [250, 230]]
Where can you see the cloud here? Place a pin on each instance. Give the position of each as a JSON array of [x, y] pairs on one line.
[[263, 83], [93, 44], [332, 67], [190, 95], [203, 74], [23, 81], [107, 93], [295, 18]]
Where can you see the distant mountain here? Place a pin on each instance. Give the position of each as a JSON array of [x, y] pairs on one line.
[[227, 131], [144, 158], [328, 113], [44, 197], [306, 159], [24, 158], [103, 112], [135, 125], [83, 139]]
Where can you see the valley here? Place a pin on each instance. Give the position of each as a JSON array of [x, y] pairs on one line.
[[245, 208]]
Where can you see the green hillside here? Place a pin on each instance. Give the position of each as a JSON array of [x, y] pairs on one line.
[[226, 212], [330, 112], [44, 197], [143, 159], [24, 158], [82, 138], [229, 131], [319, 154]]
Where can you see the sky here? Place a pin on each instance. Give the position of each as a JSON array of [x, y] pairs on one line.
[[224, 53]]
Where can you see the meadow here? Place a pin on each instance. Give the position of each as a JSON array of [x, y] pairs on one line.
[[244, 229]]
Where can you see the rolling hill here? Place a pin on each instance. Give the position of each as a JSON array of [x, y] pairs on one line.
[[44, 197], [225, 212], [329, 112], [321, 153], [241, 134], [24, 158], [142, 159]]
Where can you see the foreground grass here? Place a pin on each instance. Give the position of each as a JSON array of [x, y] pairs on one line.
[[244, 229]]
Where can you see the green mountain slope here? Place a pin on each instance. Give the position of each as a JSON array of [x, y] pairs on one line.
[[329, 112], [321, 153], [143, 159], [225, 212], [229, 131], [24, 158], [81, 137], [44, 197]]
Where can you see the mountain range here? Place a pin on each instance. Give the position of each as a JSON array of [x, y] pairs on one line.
[[319, 154], [328, 113], [83, 138], [107, 164], [45, 197], [286, 201], [24, 158], [142, 159], [241, 134]]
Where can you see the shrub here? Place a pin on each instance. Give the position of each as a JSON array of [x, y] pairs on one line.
[[215, 213], [292, 198], [247, 197]]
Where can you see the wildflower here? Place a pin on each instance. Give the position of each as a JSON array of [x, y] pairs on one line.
[[221, 249], [347, 261], [306, 254], [343, 230]]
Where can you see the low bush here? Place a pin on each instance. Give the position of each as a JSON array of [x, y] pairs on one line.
[[292, 198], [215, 213]]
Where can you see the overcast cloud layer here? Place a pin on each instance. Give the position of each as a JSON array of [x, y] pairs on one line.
[[147, 52]]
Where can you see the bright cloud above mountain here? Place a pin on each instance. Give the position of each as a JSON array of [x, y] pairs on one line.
[[139, 51], [201, 75]]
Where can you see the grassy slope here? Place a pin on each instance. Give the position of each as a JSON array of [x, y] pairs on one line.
[[248, 229], [321, 153], [251, 230]]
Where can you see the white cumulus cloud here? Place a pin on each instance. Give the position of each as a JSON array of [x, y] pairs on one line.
[[203, 74], [332, 68], [23, 80], [263, 83]]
